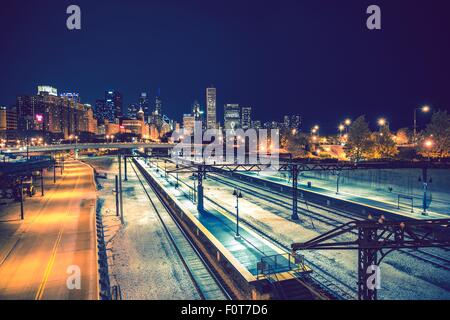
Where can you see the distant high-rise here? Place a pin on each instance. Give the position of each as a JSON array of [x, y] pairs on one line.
[[158, 103], [286, 122], [246, 119], [52, 114], [296, 122], [188, 123], [113, 100], [103, 111], [211, 117], [145, 105], [196, 112], [132, 110], [232, 116], [71, 96]]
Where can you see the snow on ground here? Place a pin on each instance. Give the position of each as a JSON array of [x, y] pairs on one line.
[[440, 200], [144, 262], [402, 276]]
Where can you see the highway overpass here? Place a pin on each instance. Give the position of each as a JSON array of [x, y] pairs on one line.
[[84, 146]]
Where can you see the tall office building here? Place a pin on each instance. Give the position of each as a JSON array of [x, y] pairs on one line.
[[71, 96], [188, 123], [232, 116], [211, 117], [103, 111], [158, 103], [296, 122], [113, 100], [132, 110], [145, 105], [49, 113], [196, 111], [246, 119], [2, 118], [286, 122]]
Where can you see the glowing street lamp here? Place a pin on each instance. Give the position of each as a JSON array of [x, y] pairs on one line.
[[428, 143], [382, 122], [424, 109], [348, 122]]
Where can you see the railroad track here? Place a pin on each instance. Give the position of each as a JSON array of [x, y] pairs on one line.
[[428, 257], [205, 279], [282, 203], [321, 279]]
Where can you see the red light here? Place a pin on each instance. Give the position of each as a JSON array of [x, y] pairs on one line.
[[39, 117]]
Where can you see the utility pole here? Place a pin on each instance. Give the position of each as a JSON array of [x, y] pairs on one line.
[[125, 167], [22, 215], [117, 196], [42, 182], [120, 189]]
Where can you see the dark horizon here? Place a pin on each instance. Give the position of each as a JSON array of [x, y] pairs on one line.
[[313, 58]]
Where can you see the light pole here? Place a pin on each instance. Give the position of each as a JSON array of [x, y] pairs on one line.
[[424, 109], [347, 123], [341, 129], [382, 123], [238, 194]]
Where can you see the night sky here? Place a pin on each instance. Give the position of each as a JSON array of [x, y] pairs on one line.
[[315, 58]]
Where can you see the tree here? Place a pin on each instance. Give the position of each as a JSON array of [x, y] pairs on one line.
[[296, 144], [384, 144], [359, 143], [403, 136], [438, 130]]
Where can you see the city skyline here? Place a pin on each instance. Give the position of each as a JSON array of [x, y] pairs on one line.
[[251, 61]]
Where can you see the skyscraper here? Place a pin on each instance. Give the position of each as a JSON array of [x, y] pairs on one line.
[[246, 120], [196, 112], [211, 108], [158, 103], [145, 106], [296, 122], [103, 111], [113, 100], [232, 116], [132, 110], [286, 122]]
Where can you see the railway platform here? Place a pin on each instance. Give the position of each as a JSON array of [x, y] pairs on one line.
[[251, 257]]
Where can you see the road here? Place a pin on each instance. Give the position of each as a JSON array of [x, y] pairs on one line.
[[59, 237]]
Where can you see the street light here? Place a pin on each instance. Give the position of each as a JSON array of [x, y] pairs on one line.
[[348, 122], [424, 109], [238, 194], [382, 122], [341, 129]]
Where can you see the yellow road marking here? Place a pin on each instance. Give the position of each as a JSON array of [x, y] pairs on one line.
[[49, 267]]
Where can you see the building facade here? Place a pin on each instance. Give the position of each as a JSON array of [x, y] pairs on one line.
[[232, 116], [211, 117], [246, 119]]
